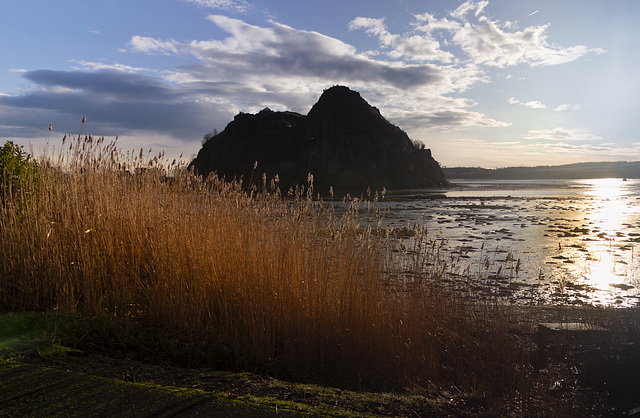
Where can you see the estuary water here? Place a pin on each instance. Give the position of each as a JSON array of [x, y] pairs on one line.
[[534, 241]]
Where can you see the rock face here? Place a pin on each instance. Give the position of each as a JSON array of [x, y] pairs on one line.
[[343, 141]]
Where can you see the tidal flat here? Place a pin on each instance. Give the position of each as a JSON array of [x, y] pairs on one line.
[[561, 242]]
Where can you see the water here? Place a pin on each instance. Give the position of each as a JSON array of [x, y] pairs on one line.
[[577, 241]]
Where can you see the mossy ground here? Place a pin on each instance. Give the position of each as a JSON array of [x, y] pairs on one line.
[[40, 376]]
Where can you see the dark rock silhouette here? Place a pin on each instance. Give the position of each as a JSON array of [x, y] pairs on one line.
[[343, 141]]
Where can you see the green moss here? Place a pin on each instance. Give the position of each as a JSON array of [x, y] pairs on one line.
[[32, 390], [24, 325]]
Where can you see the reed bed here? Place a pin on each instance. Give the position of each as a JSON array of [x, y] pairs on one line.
[[207, 273]]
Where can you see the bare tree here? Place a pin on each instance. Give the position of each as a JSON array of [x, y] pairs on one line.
[[209, 135]]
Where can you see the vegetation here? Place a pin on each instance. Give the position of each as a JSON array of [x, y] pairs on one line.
[[209, 135], [199, 272], [243, 280], [19, 171]]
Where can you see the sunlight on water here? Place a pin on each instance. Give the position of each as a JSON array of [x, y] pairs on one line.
[[575, 241], [611, 210], [608, 264]]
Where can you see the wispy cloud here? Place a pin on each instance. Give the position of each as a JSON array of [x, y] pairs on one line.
[[488, 43], [535, 104], [563, 134], [413, 47], [229, 5], [469, 6], [83, 65], [532, 104], [565, 107], [150, 45], [485, 42]]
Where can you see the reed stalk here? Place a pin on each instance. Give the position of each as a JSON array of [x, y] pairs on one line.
[[213, 274]]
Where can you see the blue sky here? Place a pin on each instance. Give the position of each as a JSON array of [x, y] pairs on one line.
[[482, 83]]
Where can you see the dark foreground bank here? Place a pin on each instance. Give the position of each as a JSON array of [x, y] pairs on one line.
[[39, 376]]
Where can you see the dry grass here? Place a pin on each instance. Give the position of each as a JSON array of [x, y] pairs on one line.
[[207, 272]]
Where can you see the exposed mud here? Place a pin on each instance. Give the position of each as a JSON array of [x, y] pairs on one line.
[[533, 242]]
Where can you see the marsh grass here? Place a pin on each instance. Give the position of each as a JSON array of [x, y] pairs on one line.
[[204, 272]]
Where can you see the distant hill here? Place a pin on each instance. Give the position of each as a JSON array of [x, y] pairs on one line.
[[343, 141], [620, 169]]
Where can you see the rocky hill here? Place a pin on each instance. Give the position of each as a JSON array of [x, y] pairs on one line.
[[343, 141]]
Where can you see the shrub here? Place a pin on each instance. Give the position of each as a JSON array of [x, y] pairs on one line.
[[19, 170]]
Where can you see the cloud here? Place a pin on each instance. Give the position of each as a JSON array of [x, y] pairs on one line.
[[252, 67], [486, 43], [514, 101], [562, 134], [494, 43], [535, 104], [229, 5], [469, 6], [281, 60], [149, 45], [464, 151], [115, 101], [281, 53], [448, 119], [532, 104], [412, 47], [287, 59], [428, 23], [417, 79], [579, 152], [564, 107], [97, 66]]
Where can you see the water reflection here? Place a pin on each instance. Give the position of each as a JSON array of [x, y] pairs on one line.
[[610, 214], [576, 240], [611, 210]]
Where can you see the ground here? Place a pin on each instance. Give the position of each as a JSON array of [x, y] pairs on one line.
[[40, 378]]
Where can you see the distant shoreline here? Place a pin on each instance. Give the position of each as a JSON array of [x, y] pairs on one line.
[[618, 169]]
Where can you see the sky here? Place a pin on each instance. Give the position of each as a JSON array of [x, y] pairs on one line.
[[489, 83]]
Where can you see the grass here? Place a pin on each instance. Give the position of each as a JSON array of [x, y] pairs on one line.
[[200, 272]]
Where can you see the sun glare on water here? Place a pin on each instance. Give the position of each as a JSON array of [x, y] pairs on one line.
[[611, 258], [611, 209]]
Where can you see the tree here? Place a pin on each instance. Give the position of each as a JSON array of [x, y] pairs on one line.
[[209, 135]]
